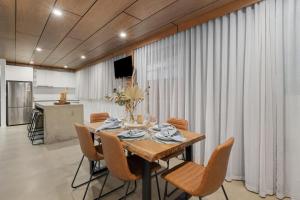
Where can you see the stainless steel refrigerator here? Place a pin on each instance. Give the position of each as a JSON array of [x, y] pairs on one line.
[[18, 102]]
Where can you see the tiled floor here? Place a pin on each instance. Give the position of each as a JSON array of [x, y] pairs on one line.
[[45, 172]]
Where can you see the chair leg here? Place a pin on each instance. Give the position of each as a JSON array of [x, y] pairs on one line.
[[166, 190], [126, 192], [157, 185], [103, 186], [72, 185], [200, 198], [76, 186], [169, 194], [111, 191], [224, 192], [183, 156], [88, 184]]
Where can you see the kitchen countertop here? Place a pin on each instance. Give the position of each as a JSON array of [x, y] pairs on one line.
[[59, 120], [51, 104]]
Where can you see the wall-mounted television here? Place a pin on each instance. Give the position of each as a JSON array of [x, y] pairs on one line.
[[123, 67]]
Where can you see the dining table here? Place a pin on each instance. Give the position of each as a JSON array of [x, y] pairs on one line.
[[151, 150]]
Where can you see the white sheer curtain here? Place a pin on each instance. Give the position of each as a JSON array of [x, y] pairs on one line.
[[238, 76], [94, 83]]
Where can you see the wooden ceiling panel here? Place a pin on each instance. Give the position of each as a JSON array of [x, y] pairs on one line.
[[63, 48], [201, 11], [25, 45], [38, 57], [7, 49], [7, 30], [167, 15], [109, 45], [113, 46], [144, 8], [55, 31], [78, 7], [101, 13], [91, 27], [120, 23], [70, 57], [32, 15]]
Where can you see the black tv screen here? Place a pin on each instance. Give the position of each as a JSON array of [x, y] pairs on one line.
[[123, 67]]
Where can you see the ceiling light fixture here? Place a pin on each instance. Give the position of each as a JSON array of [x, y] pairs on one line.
[[123, 35], [31, 62], [83, 57], [38, 49], [57, 12], [66, 66]]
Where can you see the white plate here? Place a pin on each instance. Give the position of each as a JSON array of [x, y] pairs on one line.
[[177, 138], [109, 120], [134, 134], [158, 127], [161, 137]]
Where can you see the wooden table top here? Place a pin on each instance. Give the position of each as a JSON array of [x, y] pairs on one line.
[[147, 148]]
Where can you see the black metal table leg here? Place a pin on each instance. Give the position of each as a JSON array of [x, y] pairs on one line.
[[146, 191], [189, 153]]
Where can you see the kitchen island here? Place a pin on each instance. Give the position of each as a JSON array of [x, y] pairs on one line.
[[59, 120]]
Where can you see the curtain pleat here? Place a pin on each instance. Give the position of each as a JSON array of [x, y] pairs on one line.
[[233, 76], [94, 83]]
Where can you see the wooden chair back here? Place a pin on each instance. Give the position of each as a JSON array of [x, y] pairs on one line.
[[115, 159], [86, 143], [179, 123], [98, 117], [215, 171]]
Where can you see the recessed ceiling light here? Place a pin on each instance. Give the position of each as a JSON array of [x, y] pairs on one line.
[[66, 66], [83, 57], [57, 12], [123, 34], [31, 62], [38, 49]]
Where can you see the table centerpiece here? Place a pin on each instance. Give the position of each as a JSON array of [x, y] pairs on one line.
[[129, 97]]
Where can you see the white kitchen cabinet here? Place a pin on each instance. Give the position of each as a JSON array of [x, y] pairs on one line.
[[50, 78]]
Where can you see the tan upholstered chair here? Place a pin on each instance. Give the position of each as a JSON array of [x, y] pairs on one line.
[[127, 169], [98, 117], [179, 124], [198, 180], [91, 152]]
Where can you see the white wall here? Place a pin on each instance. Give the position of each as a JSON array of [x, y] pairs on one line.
[[16, 73]]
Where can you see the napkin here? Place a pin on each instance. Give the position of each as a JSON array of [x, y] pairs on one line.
[[112, 119], [159, 127], [109, 125], [131, 134], [178, 137]]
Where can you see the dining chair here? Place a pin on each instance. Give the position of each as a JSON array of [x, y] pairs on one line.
[[91, 152], [128, 169], [199, 180], [98, 117], [179, 124]]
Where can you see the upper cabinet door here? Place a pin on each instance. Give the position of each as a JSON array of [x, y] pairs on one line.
[[40, 77], [57, 79]]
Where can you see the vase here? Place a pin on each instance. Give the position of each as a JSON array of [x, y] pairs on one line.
[[131, 116]]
